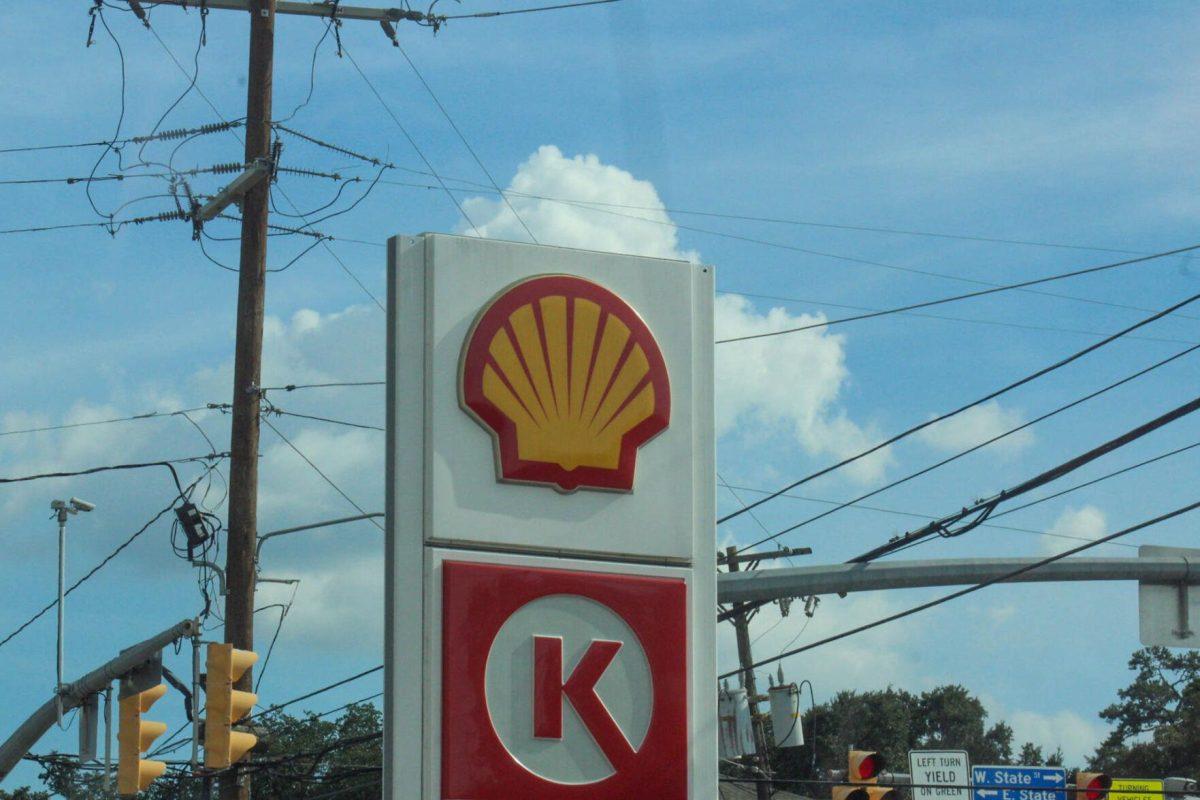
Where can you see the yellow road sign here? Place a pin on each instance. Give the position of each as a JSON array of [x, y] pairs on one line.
[[1136, 789]]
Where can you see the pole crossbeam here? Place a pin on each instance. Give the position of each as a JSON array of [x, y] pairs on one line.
[[765, 585]]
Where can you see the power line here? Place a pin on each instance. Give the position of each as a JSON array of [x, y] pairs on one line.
[[149, 415], [981, 445], [314, 693], [971, 589], [116, 467], [966, 296], [984, 508], [276, 410], [896, 512], [990, 396], [324, 242], [591, 206], [528, 10], [317, 469], [969, 320], [463, 138], [183, 493], [291, 387], [787, 221], [411, 141]]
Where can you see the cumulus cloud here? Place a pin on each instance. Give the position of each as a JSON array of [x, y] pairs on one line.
[[977, 425], [591, 221], [789, 383], [1074, 525]]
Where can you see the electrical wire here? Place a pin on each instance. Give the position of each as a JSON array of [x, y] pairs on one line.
[[966, 296], [482, 14], [989, 396], [984, 508], [968, 320], [150, 415], [120, 548], [411, 141], [317, 469], [291, 387], [314, 693], [992, 440], [971, 589], [462, 138], [878, 509], [284, 609], [670, 223], [280, 411]]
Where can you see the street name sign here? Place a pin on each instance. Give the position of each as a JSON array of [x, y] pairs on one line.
[[1136, 789], [940, 774], [1019, 783], [550, 539]]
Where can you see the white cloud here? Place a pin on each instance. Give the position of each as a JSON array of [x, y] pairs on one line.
[[790, 383], [1088, 522], [977, 425], [1078, 736], [645, 229]]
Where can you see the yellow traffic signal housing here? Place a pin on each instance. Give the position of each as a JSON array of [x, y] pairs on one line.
[[224, 705], [864, 793], [135, 735], [864, 766], [1092, 785]]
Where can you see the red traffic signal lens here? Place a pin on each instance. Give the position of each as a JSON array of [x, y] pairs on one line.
[[1098, 787], [869, 767]]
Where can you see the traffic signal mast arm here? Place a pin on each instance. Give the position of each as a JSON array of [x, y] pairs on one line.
[[765, 585], [73, 694]]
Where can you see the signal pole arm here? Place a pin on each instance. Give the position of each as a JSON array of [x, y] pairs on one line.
[[73, 694]]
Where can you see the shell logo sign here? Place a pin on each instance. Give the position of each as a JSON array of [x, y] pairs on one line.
[[569, 380]]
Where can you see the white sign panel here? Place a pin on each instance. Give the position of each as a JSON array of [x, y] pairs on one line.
[[551, 547], [1169, 614], [939, 774]]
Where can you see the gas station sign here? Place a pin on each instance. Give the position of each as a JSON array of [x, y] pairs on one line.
[[551, 545]]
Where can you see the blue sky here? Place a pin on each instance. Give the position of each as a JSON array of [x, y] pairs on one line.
[[1070, 124]]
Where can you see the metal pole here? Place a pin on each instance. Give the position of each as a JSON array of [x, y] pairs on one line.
[[243, 460], [741, 624], [765, 585], [195, 702], [62, 572], [108, 739], [72, 694]]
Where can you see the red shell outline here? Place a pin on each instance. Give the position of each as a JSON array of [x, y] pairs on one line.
[[509, 466]]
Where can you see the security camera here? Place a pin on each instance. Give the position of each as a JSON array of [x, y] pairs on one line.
[[81, 505]]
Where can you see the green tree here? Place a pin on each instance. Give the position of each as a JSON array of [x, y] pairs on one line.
[[1157, 718], [305, 756]]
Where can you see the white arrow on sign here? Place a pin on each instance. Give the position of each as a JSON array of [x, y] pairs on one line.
[[988, 792], [1056, 777]]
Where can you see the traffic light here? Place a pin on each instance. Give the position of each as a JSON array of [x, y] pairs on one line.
[[865, 766], [863, 769], [224, 705], [1092, 785], [135, 736]]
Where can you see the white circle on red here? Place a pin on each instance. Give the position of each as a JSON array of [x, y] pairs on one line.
[[626, 688]]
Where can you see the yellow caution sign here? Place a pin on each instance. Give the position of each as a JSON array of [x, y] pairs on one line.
[[1136, 789]]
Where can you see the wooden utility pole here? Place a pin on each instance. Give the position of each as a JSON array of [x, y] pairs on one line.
[[741, 624], [247, 366]]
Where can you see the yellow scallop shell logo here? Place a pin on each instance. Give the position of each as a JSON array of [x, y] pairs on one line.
[[569, 380]]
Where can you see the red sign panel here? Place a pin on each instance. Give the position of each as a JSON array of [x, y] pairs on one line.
[[563, 685]]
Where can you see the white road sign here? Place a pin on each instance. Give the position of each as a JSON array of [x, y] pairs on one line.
[[939, 774]]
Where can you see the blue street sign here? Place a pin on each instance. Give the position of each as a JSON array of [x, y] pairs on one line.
[[1019, 783]]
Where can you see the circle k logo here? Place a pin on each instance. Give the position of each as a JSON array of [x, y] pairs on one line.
[[563, 684]]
